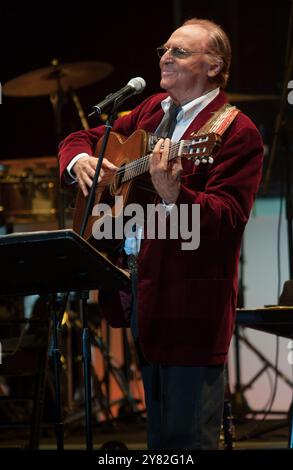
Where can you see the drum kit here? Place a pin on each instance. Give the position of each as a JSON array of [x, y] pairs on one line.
[[28, 190], [28, 187]]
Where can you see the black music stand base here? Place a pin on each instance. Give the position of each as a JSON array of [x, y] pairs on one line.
[[55, 262]]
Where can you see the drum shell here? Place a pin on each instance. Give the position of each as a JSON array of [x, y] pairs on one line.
[[28, 198]]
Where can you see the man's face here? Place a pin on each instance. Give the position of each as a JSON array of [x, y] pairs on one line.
[[186, 77]]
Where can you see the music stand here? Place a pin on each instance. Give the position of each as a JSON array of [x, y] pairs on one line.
[[47, 263]]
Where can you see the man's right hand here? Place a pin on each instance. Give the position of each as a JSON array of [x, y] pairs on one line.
[[85, 168]]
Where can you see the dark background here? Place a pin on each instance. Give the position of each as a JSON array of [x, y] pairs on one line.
[[126, 34]]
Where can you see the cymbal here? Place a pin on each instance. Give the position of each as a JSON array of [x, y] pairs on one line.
[[45, 81], [241, 97]]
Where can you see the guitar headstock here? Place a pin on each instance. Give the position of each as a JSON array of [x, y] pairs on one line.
[[200, 149]]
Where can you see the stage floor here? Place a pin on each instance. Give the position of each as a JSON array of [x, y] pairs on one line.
[[251, 434]]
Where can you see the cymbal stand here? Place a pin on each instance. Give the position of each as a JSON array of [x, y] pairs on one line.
[[78, 106], [57, 100]]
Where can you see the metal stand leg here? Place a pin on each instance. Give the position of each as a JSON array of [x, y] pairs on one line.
[[228, 420], [56, 365], [86, 350]]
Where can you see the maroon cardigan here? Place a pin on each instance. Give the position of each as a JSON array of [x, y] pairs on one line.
[[187, 299]]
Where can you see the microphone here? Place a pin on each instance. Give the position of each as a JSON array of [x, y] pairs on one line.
[[133, 87]]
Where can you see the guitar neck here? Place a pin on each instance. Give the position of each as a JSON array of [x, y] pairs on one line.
[[141, 165]]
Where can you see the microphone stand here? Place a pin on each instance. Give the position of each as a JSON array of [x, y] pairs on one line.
[[86, 346], [91, 197]]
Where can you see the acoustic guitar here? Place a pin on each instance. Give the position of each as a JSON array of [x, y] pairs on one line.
[[132, 180]]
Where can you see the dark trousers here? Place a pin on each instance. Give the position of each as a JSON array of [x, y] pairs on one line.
[[184, 403], [184, 406]]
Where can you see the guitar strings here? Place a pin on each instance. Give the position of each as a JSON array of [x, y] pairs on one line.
[[136, 167], [140, 165]]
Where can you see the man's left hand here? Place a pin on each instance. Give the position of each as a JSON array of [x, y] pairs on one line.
[[165, 174]]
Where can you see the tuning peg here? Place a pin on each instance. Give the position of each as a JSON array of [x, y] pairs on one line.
[[204, 160], [196, 162], [211, 160]]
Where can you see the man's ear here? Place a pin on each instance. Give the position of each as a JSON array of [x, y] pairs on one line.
[[215, 69]]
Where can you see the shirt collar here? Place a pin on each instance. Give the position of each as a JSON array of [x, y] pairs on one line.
[[192, 107]]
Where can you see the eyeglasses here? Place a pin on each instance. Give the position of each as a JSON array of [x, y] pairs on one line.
[[177, 52]]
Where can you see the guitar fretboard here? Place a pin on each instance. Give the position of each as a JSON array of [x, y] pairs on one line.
[[141, 165]]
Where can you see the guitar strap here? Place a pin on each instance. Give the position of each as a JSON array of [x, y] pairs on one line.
[[219, 122]]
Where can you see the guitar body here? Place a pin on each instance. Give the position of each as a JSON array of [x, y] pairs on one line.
[[120, 151]]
